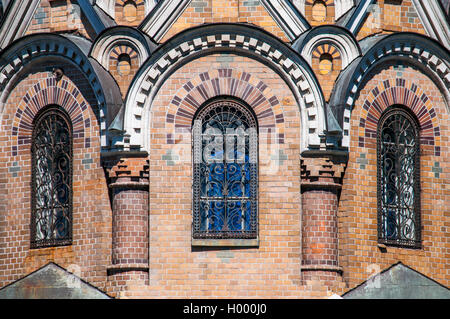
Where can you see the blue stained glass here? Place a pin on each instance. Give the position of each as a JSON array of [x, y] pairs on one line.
[[226, 200], [214, 184], [391, 224]]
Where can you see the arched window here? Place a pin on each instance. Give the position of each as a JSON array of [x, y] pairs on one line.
[[225, 145], [398, 147], [51, 151]]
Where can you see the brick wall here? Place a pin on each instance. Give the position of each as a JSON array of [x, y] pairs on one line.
[[213, 11], [387, 16], [359, 253], [129, 12], [123, 66], [91, 249], [319, 221], [58, 16], [128, 183], [178, 269], [295, 223], [326, 63]]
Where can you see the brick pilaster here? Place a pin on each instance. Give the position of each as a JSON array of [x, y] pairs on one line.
[[321, 184], [128, 184]]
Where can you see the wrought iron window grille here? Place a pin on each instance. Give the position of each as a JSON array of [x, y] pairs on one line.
[[225, 171], [51, 184], [398, 179]]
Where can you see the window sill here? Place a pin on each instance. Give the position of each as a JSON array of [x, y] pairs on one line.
[[226, 242], [384, 244]]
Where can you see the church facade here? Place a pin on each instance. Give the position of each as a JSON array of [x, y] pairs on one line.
[[224, 149]]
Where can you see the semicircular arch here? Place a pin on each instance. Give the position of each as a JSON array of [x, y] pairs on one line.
[[225, 38]]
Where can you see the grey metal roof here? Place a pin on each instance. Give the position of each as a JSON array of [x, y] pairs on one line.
[[51, 282], [399, 282]]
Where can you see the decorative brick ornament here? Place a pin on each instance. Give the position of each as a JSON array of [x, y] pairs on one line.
[[124, 62], [51, 92], [327, 63], [37, 46], [225, 82], [329, 53], [243, 41], [413, 49], [319, 12], [129, 12], [400, 92], [340, 6], [122, 50]]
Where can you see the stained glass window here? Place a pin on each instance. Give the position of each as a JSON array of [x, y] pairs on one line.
[[398, 179], [225, 171], [51, 221]]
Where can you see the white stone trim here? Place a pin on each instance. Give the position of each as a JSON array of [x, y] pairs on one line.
[[286, 18], [17, 21], [300, 5], [341, 7], [149, 5], [144, 88], [108, 6], [162, 17], [361, 13], [20, 58], [434, 20], [345, 44], [101, 49]]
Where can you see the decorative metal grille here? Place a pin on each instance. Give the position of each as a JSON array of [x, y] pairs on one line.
[[51, 220], [398, 179], [225, 152]]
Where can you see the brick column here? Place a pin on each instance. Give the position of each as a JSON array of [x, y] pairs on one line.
[[321, 185], [129, 191]]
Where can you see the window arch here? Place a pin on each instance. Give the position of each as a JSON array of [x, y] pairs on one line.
[[51, 153], [225, 148], [398, 148]]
